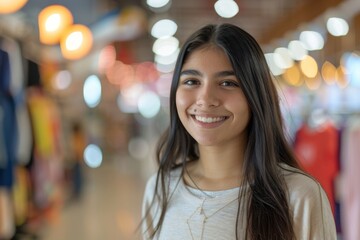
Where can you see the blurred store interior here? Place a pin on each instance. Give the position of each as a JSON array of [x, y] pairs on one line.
[[84, 97]]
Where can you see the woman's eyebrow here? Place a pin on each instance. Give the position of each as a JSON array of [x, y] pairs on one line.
[[191, 72], [194, 72], [225, 73]]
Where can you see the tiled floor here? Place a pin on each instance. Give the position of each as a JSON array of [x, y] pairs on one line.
[[109, 208]]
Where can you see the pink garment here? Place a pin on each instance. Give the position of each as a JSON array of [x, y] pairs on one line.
[[350, 201]]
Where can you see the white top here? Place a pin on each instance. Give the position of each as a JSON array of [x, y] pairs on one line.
[[188, 207]]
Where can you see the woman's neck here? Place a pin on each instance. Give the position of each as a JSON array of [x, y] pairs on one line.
[[217, 169]]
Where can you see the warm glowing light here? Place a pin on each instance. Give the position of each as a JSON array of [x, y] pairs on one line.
[[107, 58], [11, 6], [121, 74], [341, 78], [145, 72], [53, 21], [309, 67], [328, 72], [293, 76], [76, 42], [313, 83]]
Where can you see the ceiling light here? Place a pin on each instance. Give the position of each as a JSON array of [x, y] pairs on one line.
[[337, 26], [11, 6], [92, 91], [309, 67], [76, 42], [164, 28], [165, 46], [312, 40], [297, 50], [53, 21], [226, 8], [157, 3], [275, 70], [282, 58]]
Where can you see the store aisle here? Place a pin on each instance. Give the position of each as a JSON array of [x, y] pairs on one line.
[[109, 208]]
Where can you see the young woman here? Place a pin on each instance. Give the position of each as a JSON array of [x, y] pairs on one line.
[[225, 168]]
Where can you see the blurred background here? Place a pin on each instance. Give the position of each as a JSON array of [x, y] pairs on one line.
[[84, 89]]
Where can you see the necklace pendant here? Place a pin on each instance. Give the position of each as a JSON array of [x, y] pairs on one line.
[[202, 211]]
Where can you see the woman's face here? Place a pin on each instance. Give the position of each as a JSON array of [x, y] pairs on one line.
[[209, 101]]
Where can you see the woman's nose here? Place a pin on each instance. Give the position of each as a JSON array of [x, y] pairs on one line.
[[207, 97]]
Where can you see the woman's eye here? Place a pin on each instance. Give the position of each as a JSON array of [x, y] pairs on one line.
[[230, 84], [190, 82]]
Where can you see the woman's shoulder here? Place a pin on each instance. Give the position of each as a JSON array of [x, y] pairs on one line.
[[309, 205], [173, 177], [301, 186], [300, 183]]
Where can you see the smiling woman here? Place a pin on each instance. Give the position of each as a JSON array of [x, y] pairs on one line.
[[225, 168], [209, 100]]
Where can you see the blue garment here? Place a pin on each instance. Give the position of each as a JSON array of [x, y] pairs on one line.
[[8, 131]]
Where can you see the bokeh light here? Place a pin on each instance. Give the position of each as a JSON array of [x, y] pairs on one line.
[[92, 91], [93, 156], [149, 104]]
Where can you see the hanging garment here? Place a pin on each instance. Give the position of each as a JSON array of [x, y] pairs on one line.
[[20, 193], [25, 139], [12, 47], [8, 130], [7, 226], [47, 166], [350, 200], [317, 151]]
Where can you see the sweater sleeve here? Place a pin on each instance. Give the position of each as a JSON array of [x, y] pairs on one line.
[[149, 208], [312, 214]]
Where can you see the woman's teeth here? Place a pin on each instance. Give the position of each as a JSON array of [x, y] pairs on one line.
[[209, 119]]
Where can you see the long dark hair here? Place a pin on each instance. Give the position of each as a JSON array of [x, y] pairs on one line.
[[268, 213]]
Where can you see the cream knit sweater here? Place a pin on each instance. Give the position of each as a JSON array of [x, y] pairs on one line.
[[184, 220]]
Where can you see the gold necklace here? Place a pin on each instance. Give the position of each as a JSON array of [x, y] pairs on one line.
[[201, 209], [206, 218]]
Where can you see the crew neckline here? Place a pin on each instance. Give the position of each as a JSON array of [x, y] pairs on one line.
[[194, 194]]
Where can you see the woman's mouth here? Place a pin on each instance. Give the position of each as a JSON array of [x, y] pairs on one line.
[[209, 119]]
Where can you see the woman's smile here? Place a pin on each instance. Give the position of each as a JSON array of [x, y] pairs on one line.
[[209, 122]]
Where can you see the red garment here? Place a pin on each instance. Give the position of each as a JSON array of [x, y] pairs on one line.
[[318, 153]]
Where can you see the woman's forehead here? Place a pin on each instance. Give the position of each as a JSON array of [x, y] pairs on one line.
[[207, 57]]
